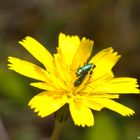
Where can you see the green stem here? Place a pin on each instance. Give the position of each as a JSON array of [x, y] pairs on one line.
[[57, 131]]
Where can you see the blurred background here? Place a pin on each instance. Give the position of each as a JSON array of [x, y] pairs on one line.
[[113, 23]]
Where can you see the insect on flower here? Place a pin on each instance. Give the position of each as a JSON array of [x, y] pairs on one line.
[[82, 72], [65, 80]]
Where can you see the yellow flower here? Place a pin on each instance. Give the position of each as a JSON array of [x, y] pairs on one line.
[[96, 90]]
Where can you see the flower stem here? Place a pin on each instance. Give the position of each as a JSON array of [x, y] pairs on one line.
[[57, 131]]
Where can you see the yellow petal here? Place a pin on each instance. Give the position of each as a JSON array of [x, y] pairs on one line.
[[44, 86], [94, 85], [39, 52], [110, 96], [104, 61], [68, 47], [112, 105], [33, 71], [47, 103], [81, 114], [62, 71], [27, 69], [83, 53], [121, 85], [106, 58], [94, 105]]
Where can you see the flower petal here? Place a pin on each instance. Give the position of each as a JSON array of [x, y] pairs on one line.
[[45, 86], [94, 84], [67, 48], [83, 53], [81, 114], [104, 62], [39, 52], [94, 105], [106, 58], [62, 71], [33, 71], [47, 103], [27, 69], [112, 105], [121, 85], [110, 96]]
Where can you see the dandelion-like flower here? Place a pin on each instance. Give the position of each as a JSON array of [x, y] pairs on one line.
[[92, 90]]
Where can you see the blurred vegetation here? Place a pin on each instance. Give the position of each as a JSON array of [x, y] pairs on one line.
[[108, 22]]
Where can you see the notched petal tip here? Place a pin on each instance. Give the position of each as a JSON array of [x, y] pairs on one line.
[[86, 40], [128, 113], [67, 38], [62, 35], [106, 57], [114, 106], [27, 38], [81, 114], [11, 60], [45, 103], [40, 52], [84, 124]]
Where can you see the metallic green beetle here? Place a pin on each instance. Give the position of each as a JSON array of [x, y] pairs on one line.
[[82, 72]]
